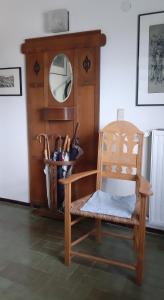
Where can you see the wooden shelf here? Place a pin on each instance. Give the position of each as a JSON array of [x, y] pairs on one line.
[[58, 114]]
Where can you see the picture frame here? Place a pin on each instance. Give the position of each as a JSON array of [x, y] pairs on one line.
[[56, 21], [10, 81], [150, 59]]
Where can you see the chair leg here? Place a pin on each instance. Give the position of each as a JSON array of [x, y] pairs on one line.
[[141, 241], [68, 240], [98, 230], [135, 238], [67, 226], [140, 256]]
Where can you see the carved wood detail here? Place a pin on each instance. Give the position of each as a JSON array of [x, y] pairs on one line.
[[36, 67], [120, 153], [86, 64]]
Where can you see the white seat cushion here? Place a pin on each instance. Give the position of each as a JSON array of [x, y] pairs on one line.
[[105, 203]]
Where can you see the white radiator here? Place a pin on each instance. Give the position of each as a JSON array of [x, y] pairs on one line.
[[156, 203]]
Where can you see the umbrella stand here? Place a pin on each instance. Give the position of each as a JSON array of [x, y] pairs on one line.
[[56, 197], [58, 164]]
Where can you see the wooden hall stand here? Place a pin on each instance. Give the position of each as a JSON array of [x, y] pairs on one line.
[[49, 116]]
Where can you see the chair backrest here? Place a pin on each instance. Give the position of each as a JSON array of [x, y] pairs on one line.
[[120, 151]]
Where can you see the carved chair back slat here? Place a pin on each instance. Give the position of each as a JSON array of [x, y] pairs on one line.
[[120, 151]]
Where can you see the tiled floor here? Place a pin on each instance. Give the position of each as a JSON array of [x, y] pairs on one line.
[[31, 263]]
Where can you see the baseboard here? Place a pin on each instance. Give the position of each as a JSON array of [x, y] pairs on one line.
[[154, 230], [14, 201], [148, 229]]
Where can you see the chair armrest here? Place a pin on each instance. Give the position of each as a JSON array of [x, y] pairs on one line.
[[77, 176], [144, 186]]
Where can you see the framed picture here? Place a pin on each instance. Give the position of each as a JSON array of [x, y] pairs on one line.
[[150, 60], [10, 82], [56, 20]]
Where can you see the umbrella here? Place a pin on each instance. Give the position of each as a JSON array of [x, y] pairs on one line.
[[66, 155], [59, 155], [46, 144], [65, 150], [46, 169], [75, 150]]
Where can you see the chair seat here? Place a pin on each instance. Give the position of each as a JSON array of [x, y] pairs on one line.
[[78, 204]]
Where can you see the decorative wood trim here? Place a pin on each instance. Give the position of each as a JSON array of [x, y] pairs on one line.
[[65, 41], [36, 67], [86, 64]]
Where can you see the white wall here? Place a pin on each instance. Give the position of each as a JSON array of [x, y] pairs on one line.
[[20, 19]]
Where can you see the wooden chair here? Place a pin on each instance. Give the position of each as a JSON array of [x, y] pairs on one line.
[[119, 157]]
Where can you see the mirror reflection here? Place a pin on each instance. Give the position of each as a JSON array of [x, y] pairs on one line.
[[60, 77]]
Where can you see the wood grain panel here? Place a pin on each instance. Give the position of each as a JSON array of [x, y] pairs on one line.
[[37, 183]]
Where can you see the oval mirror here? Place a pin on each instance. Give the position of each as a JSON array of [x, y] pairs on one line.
[[60, 77]]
